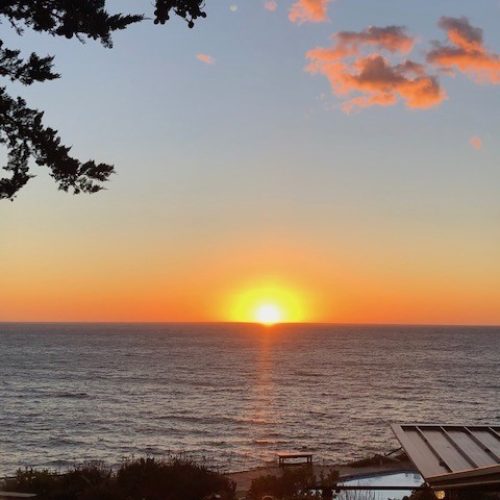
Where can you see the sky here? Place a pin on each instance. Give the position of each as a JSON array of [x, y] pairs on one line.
[[340, 158]]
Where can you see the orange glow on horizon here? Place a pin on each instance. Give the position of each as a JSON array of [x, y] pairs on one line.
[[268, 304], [171, 285]]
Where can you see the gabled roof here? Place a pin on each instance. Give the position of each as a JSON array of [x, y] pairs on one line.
[[453, 456]]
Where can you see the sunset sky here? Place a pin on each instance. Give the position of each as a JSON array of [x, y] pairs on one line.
[[341, 158]]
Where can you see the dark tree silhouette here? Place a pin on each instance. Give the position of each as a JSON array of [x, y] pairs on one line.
[[22, 131]]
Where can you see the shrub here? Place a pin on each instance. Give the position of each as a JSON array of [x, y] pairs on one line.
[[177, 479], [293, 484], [457, 495], [143, 479]]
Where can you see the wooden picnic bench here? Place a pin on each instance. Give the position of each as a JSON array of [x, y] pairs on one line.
[[288, 458]]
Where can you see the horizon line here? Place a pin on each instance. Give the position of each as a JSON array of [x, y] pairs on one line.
[[284, 323]]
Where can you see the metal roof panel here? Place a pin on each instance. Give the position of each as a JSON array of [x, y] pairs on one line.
[[452, 454]]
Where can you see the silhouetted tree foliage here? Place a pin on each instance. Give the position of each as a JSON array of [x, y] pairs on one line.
[[292, 484], [22, 130], [142, 479]]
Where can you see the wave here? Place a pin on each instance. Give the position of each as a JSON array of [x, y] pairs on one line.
[[70, 395]]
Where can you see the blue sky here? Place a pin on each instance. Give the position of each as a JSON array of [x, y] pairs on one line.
[[251, 160]]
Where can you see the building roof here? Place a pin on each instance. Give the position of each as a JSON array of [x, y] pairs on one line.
[[453, 456]]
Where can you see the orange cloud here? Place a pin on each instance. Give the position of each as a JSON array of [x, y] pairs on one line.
[[271, 5], [314, 11], [465, 51], [476, 142], [205, 58], [377, 80]]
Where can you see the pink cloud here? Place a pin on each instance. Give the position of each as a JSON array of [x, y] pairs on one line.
[[373, 80], [314, 11], [271, 5], [465, 52], [205, 58], [476, 142]]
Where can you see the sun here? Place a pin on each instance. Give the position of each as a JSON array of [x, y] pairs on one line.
[[266, 302], [268, 314]]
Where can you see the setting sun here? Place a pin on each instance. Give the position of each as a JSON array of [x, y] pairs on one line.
[[267, 303], [268, 314]]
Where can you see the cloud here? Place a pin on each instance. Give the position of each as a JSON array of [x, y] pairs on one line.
[[465, 52], [205, 58], [271, 5], [391, 38], [476, 142], [314, 11], [373, 78]]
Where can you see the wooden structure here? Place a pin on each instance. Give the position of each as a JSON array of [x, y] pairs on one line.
[[453, 456], [290, 458]]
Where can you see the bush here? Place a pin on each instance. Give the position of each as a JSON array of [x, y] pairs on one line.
[[378, 459], [293, 484], [177, 479], [458, 495], [143, 479]]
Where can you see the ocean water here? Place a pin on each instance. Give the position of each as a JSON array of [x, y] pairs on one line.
[[233, 394]]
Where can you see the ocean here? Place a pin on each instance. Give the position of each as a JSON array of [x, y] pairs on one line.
[[233, 394]]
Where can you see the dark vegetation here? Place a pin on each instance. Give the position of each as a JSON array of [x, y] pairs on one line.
[[398, 456], [294, 483], [458, 495], [22, 131], [290, 484], [178, 479], [143, 479]]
